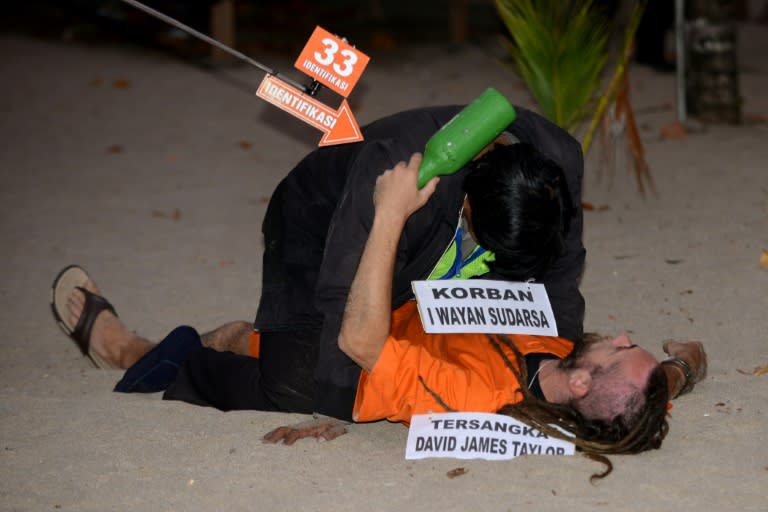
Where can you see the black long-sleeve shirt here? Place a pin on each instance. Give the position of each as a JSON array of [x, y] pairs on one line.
[[319, 218]]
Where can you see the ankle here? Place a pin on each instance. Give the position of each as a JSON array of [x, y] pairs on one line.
[[131, 351]]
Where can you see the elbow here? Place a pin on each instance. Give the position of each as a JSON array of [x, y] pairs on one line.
[[350, 348], [361, 353], [345, 345]]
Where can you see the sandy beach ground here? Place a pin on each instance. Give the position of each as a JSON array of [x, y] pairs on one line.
[[154, 175]]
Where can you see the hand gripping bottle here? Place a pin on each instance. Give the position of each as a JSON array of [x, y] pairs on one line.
[[456, 143]]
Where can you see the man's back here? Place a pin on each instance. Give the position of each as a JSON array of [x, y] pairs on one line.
[[320, 216]]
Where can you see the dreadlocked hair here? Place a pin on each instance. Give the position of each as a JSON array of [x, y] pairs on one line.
[[594, 438]]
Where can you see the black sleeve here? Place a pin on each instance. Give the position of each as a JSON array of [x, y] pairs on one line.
[[336, 374], [426, 234], [563, 278]]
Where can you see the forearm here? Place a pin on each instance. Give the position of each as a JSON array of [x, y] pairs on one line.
[[366, 321]]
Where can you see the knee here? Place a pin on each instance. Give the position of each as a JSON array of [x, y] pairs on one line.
[[182, 339]]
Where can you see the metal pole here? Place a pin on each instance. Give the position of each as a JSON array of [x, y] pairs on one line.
[[682, 113], [189, 30]]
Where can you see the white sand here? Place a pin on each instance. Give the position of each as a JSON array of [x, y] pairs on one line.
[[69, 443]]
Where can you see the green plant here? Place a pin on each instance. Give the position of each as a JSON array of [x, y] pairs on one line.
[[560, 48]]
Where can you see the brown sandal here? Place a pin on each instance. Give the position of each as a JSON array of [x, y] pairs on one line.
[[69, 279]]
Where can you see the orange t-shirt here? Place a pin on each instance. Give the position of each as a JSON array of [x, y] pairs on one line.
[[464, 370]]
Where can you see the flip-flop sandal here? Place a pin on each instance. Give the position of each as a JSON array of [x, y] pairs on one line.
[[69, 279]]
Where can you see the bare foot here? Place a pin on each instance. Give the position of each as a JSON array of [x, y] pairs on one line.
[[110, 338]]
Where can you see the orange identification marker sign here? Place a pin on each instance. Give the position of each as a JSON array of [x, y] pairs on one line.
[[339, 125], [332, 61]]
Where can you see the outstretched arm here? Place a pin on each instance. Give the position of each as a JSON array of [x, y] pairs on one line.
[[366, 322]]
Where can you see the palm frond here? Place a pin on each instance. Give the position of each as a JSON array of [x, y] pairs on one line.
[[560, 49], [609, 95]]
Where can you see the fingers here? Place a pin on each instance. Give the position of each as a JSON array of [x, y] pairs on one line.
[[335, 431], [294, 435], [273, 436], [397, 194], [672, 347], [426, 192], [415, 162], [411, 166], [317, 431], [430, 187], [288, 435], [325, 428]]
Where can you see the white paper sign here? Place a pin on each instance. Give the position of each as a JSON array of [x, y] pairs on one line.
[[477, 435], [481, 305]]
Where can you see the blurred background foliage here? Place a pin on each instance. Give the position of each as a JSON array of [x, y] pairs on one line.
[[560, 49], [573, 55]]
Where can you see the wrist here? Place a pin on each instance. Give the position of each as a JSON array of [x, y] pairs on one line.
[[389, 218], [683, 369]]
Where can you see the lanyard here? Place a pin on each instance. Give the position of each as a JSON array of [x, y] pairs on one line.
[[458, 262]]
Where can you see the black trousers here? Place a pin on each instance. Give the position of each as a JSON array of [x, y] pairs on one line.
[[185, 370], [281, 379]]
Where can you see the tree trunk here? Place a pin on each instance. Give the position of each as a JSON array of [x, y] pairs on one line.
[[712, 74]]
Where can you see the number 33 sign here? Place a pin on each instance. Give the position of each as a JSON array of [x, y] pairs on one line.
[[336, 65], [331, 61]]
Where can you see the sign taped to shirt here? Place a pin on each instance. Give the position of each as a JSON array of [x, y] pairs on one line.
[[484, 306], [478, 435]]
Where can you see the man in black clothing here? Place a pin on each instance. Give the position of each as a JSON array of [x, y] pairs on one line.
[[521, 204], [320, 215]]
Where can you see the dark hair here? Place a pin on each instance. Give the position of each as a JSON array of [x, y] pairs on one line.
[[520, 209]]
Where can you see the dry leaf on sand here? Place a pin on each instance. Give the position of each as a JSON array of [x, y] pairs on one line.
[[456, 472], [674, 131], [763, 260]]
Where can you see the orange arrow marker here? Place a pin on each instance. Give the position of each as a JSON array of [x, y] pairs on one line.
[[339, 126]]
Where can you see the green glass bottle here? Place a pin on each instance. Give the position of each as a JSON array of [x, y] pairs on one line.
[[456, 143]]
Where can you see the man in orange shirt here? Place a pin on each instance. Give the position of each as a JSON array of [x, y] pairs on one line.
[[615, 385], [610, 393]]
